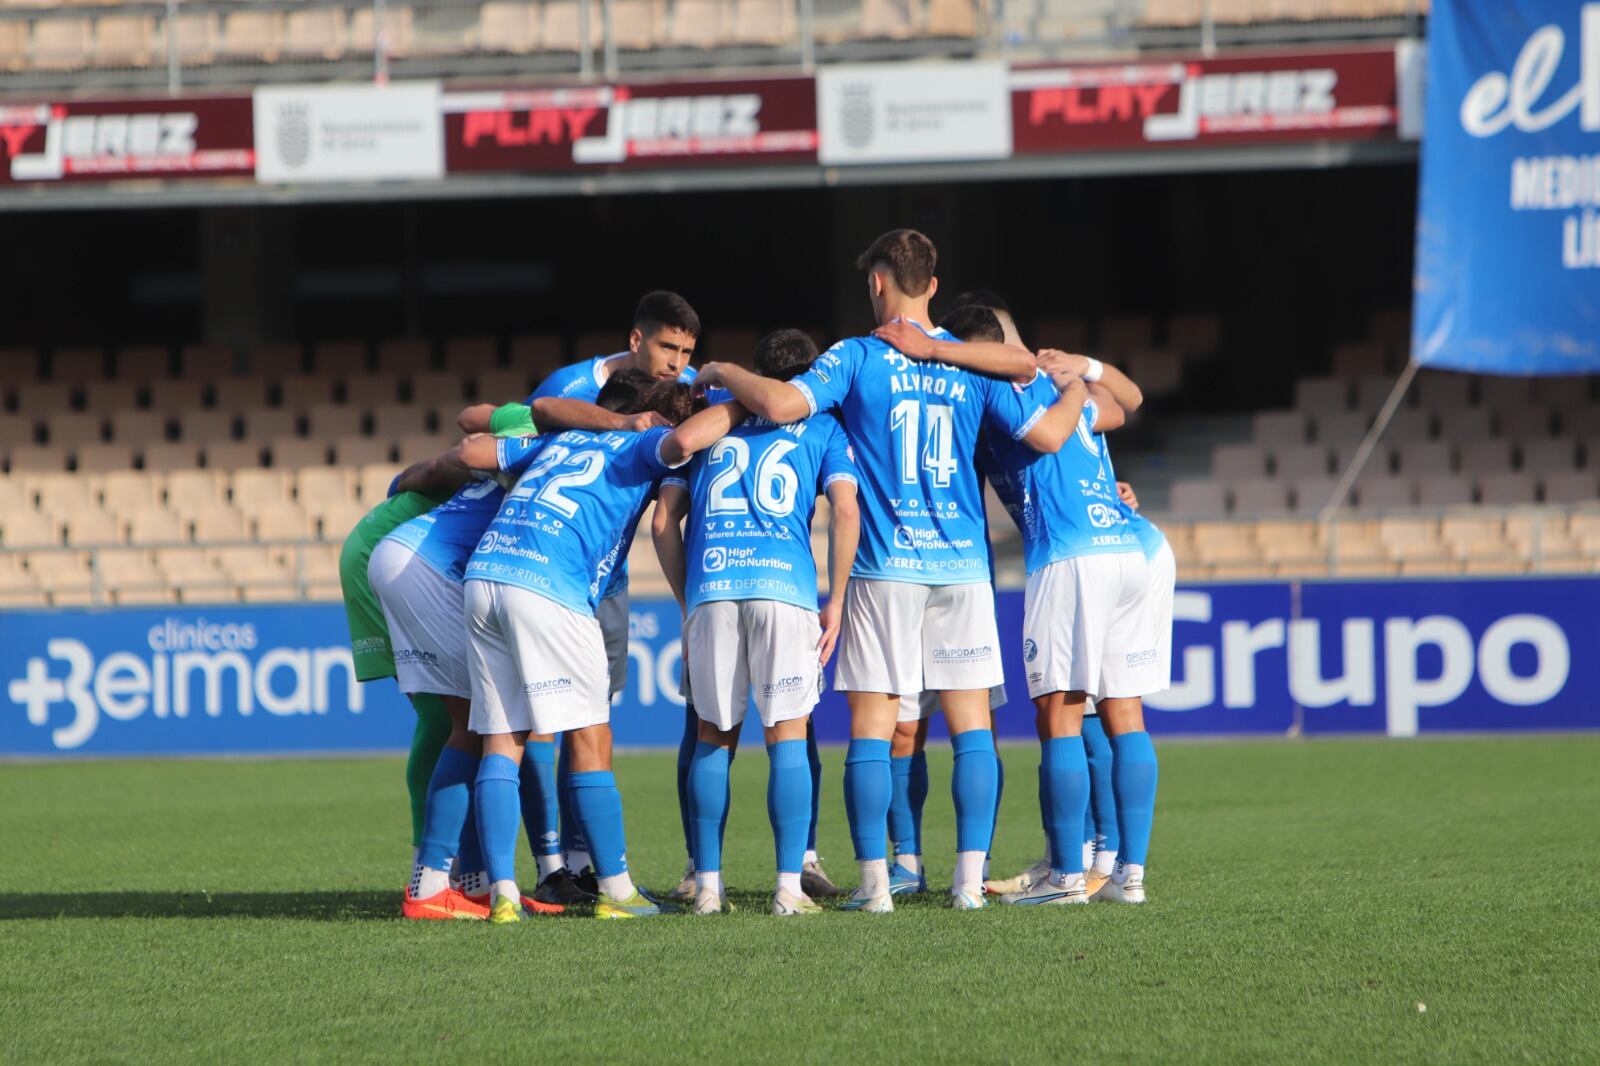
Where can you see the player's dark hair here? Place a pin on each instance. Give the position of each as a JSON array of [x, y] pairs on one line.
[[784, 354], [669, 399], [624, 391], [982, 298], [974, 322], [663, 310], [908, 256]]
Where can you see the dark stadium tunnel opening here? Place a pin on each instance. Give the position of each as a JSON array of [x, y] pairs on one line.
[[1293, 262]]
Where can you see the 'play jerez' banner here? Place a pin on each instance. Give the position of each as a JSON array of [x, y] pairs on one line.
[[1508, 236]]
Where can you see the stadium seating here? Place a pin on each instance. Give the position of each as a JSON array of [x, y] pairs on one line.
[[62, 36], [137, 477]]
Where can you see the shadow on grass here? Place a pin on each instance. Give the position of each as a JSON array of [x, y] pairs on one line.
[[307, 906]]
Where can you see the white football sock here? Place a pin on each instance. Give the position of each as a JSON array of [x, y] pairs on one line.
[[1105, 862], [969, 870], [708, 881], [874, 878], [548, 864], [910, 862], [1088, 854], [1128, 871], [578, 860], [426, 881], [790, 882], [811, 856], [618, 886], [475, 884], [506, 890]]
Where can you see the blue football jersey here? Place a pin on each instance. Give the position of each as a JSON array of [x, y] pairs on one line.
[[445, 537], [752, 496], [582, 381], [564, 527], [1064, 505], [1150, 536], [914, 427]]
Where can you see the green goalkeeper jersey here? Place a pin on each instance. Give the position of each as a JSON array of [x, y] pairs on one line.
[[369, 632]]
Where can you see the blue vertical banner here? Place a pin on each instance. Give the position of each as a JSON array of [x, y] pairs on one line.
[[1508, 230]]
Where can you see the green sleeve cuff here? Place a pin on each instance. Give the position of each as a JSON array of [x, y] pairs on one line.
[[512, 420]]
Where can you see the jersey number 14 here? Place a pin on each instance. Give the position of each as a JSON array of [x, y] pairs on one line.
[[936, 452]]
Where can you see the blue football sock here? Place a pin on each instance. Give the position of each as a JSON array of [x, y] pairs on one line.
[[499, 810], [599, 806], [449, 800], [788, 800], [541, 808], [469, 856], [814, 757], [919, 798], [973, 783], [572, 835], [1066, 774], [686, 746], [867, 786], [708, 804], [1133, 775], [902, 831], [1044, 802], [1102, 815], [999, 795]]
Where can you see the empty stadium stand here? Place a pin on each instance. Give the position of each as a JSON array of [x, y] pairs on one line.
[[202, 474], [130, 42]]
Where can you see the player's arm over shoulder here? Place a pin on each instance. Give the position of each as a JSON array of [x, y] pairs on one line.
[[700, 431]]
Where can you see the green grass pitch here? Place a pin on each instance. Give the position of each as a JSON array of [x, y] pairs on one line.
[[1323, 901]]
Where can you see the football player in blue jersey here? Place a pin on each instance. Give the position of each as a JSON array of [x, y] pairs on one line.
[[538, 656], [747, 580], [660, 343], [1084, 626], [919, 611]]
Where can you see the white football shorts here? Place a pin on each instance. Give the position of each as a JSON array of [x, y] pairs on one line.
[[612, 614], [916, 706], [1078, 615], [764, 650], [427, 627], [537, 665], [1144, 665], [900, 637]]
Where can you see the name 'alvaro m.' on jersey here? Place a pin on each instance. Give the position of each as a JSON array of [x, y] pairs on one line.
[[914, 427]]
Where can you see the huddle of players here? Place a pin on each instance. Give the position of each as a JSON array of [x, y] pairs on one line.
[[496, 602]]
